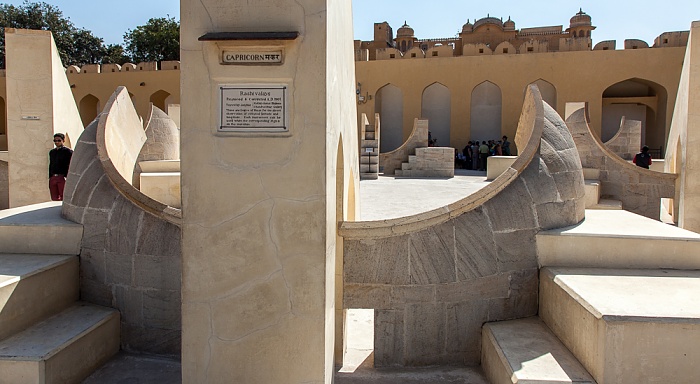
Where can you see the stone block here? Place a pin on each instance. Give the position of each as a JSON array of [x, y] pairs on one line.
[[388, 338], [129, 302], [425, 334], [161, 309], [118, 268], [516, 306], [86, 184], [94, 229], [463, 329], [412, 294], [92, 264], [104, 195], [96, 292], [367, 296], [516, 250], [157, 272], [480, 288], [158, 237], [540, 183], [474, 246], [557, 214], [377, 261], [511, 209], [432, 257], [570, 184], [124, 219], [149, 340]]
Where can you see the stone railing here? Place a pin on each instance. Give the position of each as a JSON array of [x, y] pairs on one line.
[[434, 278]]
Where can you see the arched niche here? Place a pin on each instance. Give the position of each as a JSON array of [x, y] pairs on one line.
[[89, 107], [435, 107], [389, 105], [636, 99], [486, 107], [548, 91], [158, 99], [3, 125]]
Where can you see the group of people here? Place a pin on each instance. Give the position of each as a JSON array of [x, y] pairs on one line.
[[475, 154]]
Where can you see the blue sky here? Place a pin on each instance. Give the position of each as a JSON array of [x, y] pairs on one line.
[[614, 19]]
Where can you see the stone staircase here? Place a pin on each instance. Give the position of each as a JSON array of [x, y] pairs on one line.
[[429, 162], [369, 149], [593, 195], [46, 334], [617, 304]]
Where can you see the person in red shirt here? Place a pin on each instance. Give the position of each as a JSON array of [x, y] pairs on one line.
[[643, 158]]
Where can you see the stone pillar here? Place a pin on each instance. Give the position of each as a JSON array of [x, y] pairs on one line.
[[268, 136], [682, 155], [39, 104]]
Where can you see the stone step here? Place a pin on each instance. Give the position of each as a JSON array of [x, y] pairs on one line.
[[369, 135], [406, 166], [367, 159], [625, 325], [64, 348], [591, 173], [39, 229], [412, 159], [592, 189], [619, 239], [33, 287], [607, 204], [526, 351]]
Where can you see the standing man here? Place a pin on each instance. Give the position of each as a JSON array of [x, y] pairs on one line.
[[643, 158], [484, 154], [59, 160]]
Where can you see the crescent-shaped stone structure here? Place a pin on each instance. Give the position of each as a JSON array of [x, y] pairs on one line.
[[434, 278]]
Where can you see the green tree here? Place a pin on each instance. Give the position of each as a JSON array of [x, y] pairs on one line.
[[157, 40], [114, 54], [75, 46]]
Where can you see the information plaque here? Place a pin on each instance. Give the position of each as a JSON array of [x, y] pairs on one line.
[[253, 108]]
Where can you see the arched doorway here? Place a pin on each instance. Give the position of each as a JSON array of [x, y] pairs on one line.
[[3, 125], [89, 109], [548, 92], [389, 105], [158, 99], [636, 99], [486, 106], [435, 107]]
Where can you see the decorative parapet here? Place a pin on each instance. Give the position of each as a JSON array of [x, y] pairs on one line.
[[605, 45], [635, 44], [640, 190], [126, 67], [434, 278]]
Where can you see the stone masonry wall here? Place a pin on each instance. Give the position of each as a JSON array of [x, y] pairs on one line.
[[640, 190], [628, 140], [4, 186], [130, 259], [436, 278]]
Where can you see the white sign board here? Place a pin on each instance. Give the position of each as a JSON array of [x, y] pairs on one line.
[[251, 57], [253, 108]]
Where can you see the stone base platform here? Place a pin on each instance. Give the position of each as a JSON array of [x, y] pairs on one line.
[[33, 287], [39, 229], [619, 239], [626, 326], [64, 348], [526, 351]]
